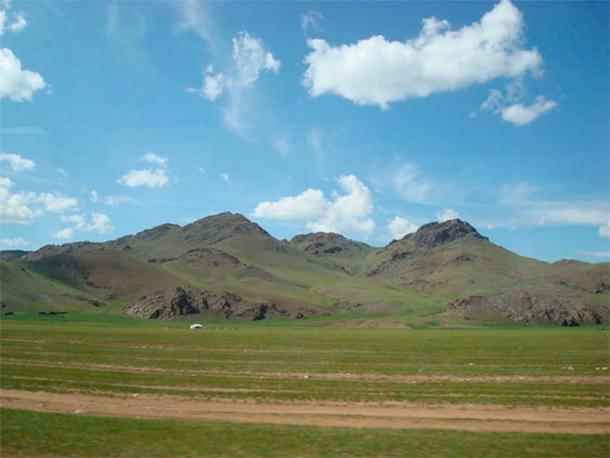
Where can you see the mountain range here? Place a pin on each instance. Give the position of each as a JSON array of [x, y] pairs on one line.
[[228, 266]]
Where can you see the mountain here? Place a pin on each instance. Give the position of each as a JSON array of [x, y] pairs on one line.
[[227, 266]]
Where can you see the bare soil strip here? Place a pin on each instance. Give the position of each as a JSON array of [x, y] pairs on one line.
[[394, 378], [466, 417]]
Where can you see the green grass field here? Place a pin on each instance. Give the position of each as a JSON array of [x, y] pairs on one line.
[[295, 362]]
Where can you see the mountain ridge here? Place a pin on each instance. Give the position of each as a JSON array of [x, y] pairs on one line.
[[444, 269]]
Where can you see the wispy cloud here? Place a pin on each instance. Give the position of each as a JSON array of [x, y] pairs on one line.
[[250, 58], [310, 22]]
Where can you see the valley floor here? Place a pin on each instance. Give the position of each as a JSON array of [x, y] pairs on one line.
[[159, 389]]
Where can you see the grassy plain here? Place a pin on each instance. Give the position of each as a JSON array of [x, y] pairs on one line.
[[296, 362]]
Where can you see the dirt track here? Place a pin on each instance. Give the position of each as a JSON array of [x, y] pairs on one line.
[[370, 415]]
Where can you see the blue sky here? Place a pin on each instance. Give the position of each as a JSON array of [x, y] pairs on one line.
[[368, 119]]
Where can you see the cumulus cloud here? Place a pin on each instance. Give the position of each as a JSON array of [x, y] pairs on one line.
[[213, 84], [24, 207], [510, 107], [144, 177], [16, 83], [310, 204], [10, 21], [99, 223], [150, 178], [399, 227], [14, 207], [17, 242], [155, 159], [345, 212], [55, 203], [17, 162], [64, 233], [376, 71], [520, 115], [446, 214]]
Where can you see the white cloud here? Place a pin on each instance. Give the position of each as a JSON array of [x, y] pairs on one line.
[[399, 227], [520, 115], [532, 210], [115, 201], [344, 213], [64, 233], [17, 242], [55, 203], [596, 254], [24, 207], [567, 213], [446, 214], [311, 21], [144, 177], [310, 204], [213, 86], [201, 170], [17, 162], [249, 59], [61, 171], [10, 21], [376, 71], [510, 107], [111, 201], [411, 184], [14, 208], [225, 177], [15, 83], [195, 16], [604, 231], [99, 223], [155, 159], [516, 194]]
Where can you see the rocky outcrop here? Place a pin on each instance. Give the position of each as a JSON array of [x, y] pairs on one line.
[[433, 234], [321, 243], [188, 301], [522, 307]]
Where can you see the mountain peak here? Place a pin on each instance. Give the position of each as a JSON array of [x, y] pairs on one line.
[[215, 228], [433, 234]]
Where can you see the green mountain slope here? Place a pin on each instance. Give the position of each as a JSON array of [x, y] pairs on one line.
[[229, 266]]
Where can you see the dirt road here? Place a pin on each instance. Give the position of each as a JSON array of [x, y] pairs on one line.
[[464, 417]]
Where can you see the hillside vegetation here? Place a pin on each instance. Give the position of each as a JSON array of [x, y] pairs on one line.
[[227, 266]]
